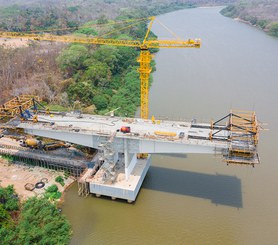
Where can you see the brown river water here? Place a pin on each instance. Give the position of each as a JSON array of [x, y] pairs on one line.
[[198, 199]]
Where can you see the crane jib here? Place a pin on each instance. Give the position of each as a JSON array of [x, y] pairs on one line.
[[144, 58]]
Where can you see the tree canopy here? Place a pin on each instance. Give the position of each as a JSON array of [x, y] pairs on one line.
[[39, 221]]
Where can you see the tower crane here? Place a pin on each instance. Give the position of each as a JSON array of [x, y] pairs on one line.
[[144, 58]]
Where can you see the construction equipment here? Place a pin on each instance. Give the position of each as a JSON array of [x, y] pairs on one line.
[[167, 134], [112, 112], [19, 105], [125, 129], [144, 58], [55, 145], [37, 144], [31, 143]]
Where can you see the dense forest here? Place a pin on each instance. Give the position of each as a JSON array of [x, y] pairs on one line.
[[100, 77], [104, 76], [40, 14], [260, 13], [35, 221]]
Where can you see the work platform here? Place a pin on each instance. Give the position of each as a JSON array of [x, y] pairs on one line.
[[120, 140]]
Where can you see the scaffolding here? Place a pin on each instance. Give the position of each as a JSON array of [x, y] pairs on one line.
[[244, 135], [16, 154], [83, 188], [18, 105]]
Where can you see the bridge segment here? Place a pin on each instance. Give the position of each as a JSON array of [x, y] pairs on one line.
[[120, 140]]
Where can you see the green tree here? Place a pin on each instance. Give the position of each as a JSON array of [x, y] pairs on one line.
[[82, 91], [4, 215], [102, 20], [98, 73], [108, 55], [60, 179], [273, 30], [128, 96], [42, 223], [87, 31], [72, 59], [52, 192], [101, 102], [9, 198]]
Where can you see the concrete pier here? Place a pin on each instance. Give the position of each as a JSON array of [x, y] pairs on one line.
[[116, 185]]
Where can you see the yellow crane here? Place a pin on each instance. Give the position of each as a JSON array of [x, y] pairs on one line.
[[144, 58]]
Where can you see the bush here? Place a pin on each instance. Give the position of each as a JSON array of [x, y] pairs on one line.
[[100, 102], [52, 188], [4, 216], [60, 180], [52, 192], [8, 198]]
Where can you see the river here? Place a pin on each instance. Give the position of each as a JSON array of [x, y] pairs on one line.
[[198, 199]]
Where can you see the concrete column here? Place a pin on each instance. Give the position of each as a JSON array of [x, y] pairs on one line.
[[116, 157], [126, 159]]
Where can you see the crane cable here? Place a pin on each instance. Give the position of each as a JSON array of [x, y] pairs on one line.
[[91, 25], [169, 30], [120, 29]]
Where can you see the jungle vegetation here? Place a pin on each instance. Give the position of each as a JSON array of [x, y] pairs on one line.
[[99, 77], [260, 13], [35, 221]]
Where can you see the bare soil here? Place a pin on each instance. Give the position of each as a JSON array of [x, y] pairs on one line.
[[19, 175], [13, 43]]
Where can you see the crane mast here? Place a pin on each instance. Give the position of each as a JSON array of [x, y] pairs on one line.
[[144, 58]]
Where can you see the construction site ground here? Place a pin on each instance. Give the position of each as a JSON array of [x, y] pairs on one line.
[[19, 174]]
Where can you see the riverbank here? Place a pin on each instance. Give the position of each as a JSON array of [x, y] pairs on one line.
[[19, 174], [260, 14]]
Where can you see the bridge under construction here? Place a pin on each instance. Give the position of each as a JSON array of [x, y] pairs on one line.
[[126, 144]]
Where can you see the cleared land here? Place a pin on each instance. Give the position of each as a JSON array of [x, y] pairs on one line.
[[18, 174], [13, 43]]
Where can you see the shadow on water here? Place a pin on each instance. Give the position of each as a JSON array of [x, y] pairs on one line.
[[176, 155], [220, 189]]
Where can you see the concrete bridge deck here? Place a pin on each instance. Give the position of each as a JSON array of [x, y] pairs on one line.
[[145, 136]]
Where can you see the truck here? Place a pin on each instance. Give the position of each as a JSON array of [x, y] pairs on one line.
[[37, 144], [31, 143]]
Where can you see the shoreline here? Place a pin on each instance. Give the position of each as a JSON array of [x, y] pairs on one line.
[[250, 24], [19, 174]]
